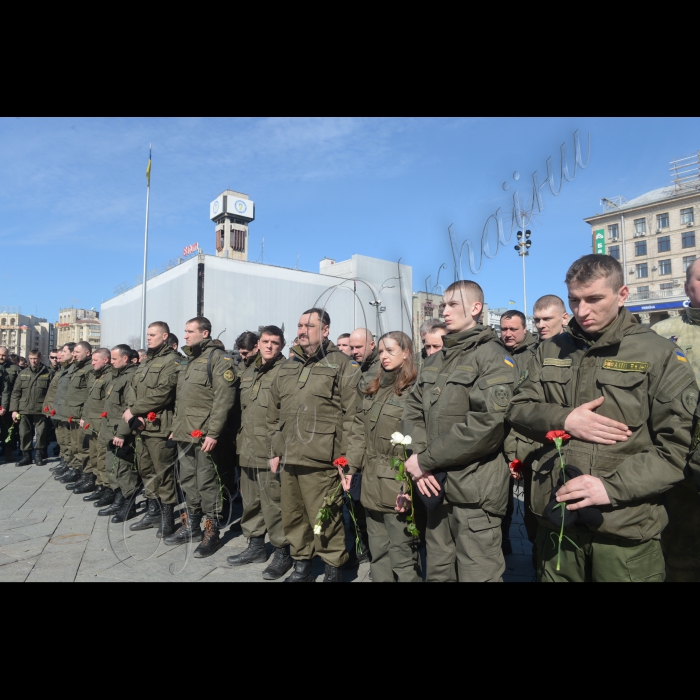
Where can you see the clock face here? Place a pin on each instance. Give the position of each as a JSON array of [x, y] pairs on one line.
[[216, 206], [240, 206]]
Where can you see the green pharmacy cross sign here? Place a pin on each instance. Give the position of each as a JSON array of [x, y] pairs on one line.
[[600, 241]]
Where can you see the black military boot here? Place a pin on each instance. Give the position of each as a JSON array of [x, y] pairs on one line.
[[167, 524], [95, 495], [301, 574], [114, 505], [57, 467], [106, 499], [189, 529], [126, 512], [151, 517], [254, 554], [82, 479], [280, 564], [26, 459], [210, 543], [333, 574], [39, 458], [88, 484], [70, 477]]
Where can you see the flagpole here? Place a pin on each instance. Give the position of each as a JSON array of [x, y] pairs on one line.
[[145, 254]]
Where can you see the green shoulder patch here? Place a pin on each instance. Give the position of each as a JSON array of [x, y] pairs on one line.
[[229, 375], [619, 366], [556, 362], [500, 395], [690, 400]]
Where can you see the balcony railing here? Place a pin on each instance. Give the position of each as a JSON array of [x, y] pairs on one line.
[[677, 292]]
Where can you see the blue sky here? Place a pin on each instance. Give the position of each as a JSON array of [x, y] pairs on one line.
[[72, 194]]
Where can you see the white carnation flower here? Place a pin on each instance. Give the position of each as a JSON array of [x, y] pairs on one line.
[[317, 529], [407, 440], [397, 439]]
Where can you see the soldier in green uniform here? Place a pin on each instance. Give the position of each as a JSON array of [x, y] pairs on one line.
[[626, 397], [27, 408], [435, 328], [521, 345], [206, 394], [152, 393], [309, 418], [456, 419], [73, 408], [378, 416], [96, 479], [117, 437], [10, 371], [681, 539], [260, 489], [55, 400]]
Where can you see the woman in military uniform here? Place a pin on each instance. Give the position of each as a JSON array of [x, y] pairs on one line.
[[394, 550]]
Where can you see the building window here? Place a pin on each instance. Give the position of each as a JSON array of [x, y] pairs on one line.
[[661, 221], [640, 247], [688, 238], [613, 232], [642, 270], [687, 216], [640, 227], [663, 244], [665, 267], [688, 260], [614, 252], [643, 290], [666, 285]]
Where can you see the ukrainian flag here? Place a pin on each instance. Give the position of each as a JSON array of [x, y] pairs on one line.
[[148, 168], [511, 302]]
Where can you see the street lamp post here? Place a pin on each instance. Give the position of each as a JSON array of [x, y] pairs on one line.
[[523, 246]]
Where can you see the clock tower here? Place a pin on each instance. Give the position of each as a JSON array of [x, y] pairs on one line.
[[231, 213]]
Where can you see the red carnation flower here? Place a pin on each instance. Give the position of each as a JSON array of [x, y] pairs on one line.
[[53, 413], [152, 417], [46, 409], [197, 434], [87, 425], [103, 414], [70, 420], [340, 462], [517, 466], [553, 434]]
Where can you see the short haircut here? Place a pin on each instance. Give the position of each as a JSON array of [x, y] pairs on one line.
[[103, 352], [141, 351], [203, 323], [246, 340], [135, 355], [515, 314], [321, 313], [70, 346], [14, 357], [123, 350], [35, 353], [343, 335], [164, 327], [589, 268], [433, 325], [428, 325], [53, 350], [471, 290], [442, 327], [689, 271], [547, 301], [273, 330], [85, 345], [173, 340]]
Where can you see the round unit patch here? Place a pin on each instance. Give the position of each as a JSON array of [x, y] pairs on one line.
[[228, 375]]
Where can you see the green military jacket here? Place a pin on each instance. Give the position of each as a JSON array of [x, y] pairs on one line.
[[370, 368], [10, 372], [97, 393], [203, 404], [62, 389], [255, 385], [684, 330], [647, 384], [77, 391], [113, 425], [456, 417], [29, 393], [53, 386], [152, 389], [419, 358], [377, 417], [311, 408]]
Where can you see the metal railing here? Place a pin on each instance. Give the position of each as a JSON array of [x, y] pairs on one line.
[[663, 294]]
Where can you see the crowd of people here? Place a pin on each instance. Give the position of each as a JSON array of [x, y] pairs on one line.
[[596, 418]]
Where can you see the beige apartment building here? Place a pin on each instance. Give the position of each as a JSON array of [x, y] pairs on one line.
[[655, 239], [20, 333], [75, 325]]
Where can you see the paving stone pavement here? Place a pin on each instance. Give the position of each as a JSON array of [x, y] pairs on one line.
[[47, 533]]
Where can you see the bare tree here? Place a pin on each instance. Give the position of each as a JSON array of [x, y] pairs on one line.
[[134, 342]]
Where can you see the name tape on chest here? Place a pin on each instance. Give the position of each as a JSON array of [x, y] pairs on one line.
[[620, 366], [556, 362]]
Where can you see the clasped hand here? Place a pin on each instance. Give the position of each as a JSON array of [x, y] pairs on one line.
[[425, 481]]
